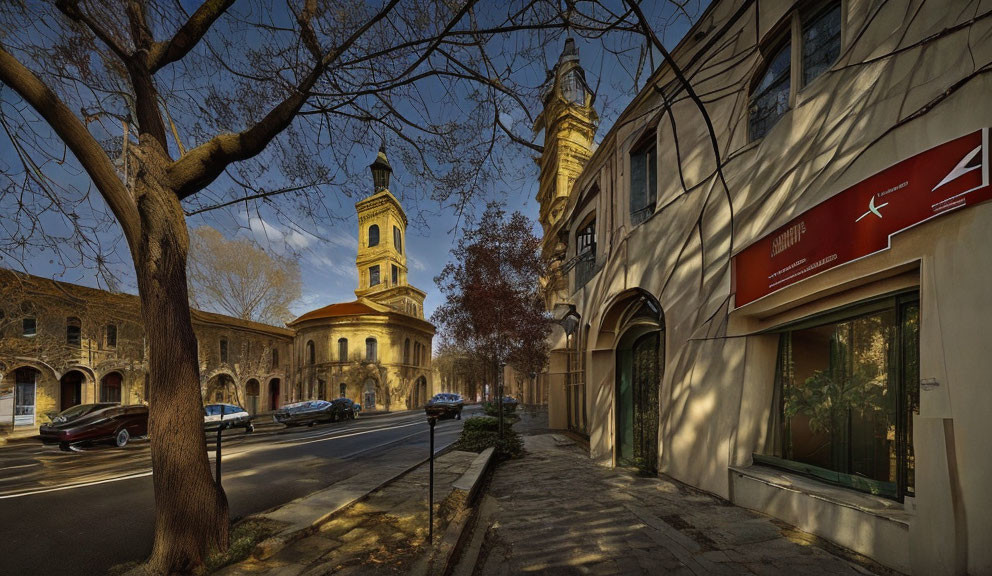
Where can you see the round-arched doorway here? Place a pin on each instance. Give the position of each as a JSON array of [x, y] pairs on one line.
[[71, 389], [640, 361]]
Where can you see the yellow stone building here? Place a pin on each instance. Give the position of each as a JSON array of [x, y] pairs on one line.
[[375, 350]]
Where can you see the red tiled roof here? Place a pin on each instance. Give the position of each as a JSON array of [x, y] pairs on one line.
[[337, 310]]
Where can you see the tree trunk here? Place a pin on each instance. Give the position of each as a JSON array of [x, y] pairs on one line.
[[191, 513]]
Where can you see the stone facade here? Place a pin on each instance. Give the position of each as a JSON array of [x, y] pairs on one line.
[[65, 344], [651, 303]]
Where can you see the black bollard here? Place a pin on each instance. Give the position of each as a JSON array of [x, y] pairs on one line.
[[432, 420]]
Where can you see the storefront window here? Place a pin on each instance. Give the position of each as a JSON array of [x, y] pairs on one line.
[[847, 387]]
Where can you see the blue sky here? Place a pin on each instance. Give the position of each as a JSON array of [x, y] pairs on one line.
[[326, 246]]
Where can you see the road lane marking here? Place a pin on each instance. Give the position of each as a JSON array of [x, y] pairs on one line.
[[80, 485], [149, 472], [21, 466]]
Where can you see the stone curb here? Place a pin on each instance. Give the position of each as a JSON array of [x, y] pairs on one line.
[[445, 550], [273, 544]]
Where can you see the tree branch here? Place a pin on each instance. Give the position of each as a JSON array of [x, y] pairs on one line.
[[86, 149], [206, 162], [162, 54]]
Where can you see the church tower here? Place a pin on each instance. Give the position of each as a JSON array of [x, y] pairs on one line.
[[381, 260], [569, 122]]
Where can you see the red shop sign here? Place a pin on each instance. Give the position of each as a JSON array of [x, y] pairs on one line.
[[861, 220]]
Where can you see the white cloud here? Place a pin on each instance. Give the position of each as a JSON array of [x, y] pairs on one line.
[[416, 264], [274, 236]]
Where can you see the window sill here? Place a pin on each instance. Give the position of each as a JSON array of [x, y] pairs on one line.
[[877, 506]]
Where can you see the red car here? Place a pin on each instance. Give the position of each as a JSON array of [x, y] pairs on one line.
[[88, 423]]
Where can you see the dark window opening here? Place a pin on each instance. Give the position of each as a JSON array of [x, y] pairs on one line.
[[342, 350], [29, 327], [821, 42], [374, 275], [111, 336], [223, 350], [643, 182], [311, 353], [398, 239], [370, 349], [73, 332], [770, 96], [373, 235], [275, 358], [585, 253], [396, 275]]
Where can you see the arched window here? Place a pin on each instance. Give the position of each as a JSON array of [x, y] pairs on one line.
[[311, 353], [223, 349], [406, 351], [373, 235], [275, 358], [73, 331], [416, 353], [371, 349], [342, 349], [398, 239], [111, 336], [770, 95]]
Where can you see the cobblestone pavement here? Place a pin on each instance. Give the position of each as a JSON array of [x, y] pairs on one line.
[[385, 534], [555, 512]]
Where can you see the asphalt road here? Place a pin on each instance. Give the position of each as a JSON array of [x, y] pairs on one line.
[[82, 512]]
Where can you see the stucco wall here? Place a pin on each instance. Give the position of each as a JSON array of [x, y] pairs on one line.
[[902, 85]]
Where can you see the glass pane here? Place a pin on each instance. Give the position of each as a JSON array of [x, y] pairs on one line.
[[638, 178], [821, 43], [911, 382], [770, 98], [839, 397]]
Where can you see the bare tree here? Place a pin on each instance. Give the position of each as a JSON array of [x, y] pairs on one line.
[[143, 114], [238, 278]]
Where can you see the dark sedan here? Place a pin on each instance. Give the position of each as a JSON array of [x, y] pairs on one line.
[[315, 411], [445, 406], [89, 423]]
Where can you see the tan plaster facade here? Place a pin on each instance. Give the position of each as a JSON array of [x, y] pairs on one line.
[[111, 348], [910, 76]]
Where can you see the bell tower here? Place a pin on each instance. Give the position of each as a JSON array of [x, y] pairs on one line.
[[381, 259], [569, 122]]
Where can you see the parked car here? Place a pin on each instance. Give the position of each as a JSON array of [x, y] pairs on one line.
[[315, 411], [226, 416], [445, 405], [91, 423]]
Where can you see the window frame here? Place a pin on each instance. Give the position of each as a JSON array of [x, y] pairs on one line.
[[108, 341], [809, 15], [342, 349], [24, 327], [375, 228], [395, 275], [585, 251], [374, 276], [397, 239], [76, 340], [898, 302], [371, 350], [647, 147], [225, 352]]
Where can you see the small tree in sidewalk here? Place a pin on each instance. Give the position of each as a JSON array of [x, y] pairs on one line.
[[493, 301]]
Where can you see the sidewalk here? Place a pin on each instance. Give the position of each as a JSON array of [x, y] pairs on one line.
[[385, 533], [555, 512]]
